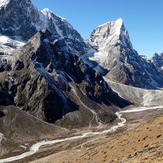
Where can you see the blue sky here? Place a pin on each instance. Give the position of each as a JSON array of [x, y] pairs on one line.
[[142, 18]]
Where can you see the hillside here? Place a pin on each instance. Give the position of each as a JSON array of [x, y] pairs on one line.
[[142, 144]]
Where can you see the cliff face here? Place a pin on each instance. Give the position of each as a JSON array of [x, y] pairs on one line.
[[157, 60], [20, 19], [119, 61], [42, 72], [56, 86]]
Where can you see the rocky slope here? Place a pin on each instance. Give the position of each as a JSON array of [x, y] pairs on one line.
[[120, 62], [20, 19], [18, 129], [52, 84], [157, 60], [143, 144]]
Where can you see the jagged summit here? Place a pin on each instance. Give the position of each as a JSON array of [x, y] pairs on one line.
[[116, 59], [23, 20], [110, 33]]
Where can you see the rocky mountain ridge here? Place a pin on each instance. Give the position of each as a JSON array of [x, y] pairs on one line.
[[157, 60], [21, 19], [120, 62], [40, 77], [48, 71]]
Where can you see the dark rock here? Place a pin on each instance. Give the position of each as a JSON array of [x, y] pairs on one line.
[[2, 114], [157, 60], [50, 96]]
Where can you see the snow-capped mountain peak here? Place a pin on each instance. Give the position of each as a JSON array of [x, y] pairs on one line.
[[115, 25], [116, 59], [31, 20], [3, 3], [109, 34]]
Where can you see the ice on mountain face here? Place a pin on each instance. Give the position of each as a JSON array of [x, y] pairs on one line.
[[3, 3], [31, 20], [47, 13], [47, 17], [4, 40], [109, 38], [7, 46], [50, 80], [110, 34]]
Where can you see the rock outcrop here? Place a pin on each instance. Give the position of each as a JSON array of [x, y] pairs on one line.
[[157, 60]]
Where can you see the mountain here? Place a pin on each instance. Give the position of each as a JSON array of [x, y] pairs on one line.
[[157, 60], [44, 75], [43, 79], [20, 19], [51, 78], [118, 60], [55, 85]]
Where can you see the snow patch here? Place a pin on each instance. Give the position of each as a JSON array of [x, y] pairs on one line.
[[50, 80], [3, 3], [4, 40]]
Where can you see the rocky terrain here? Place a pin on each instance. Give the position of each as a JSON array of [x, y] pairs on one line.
[[140, 140], [142, 144], [55, 86], [157, 60]]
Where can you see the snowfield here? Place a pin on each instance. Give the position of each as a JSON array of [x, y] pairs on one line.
[[4, 40]]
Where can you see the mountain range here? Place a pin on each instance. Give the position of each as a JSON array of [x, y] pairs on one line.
[[49, 73]]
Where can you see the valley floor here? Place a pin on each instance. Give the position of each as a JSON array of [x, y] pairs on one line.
[[139, 141]]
